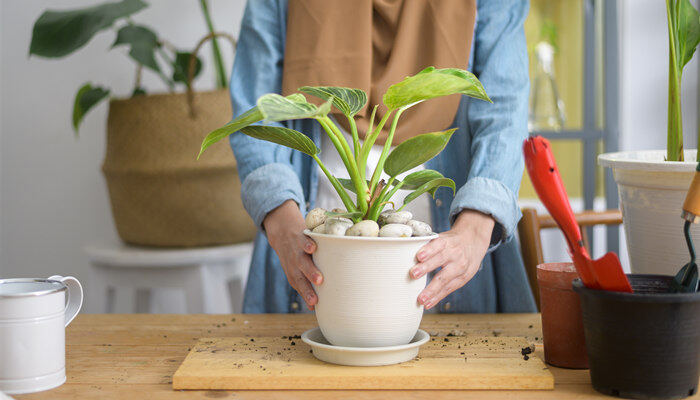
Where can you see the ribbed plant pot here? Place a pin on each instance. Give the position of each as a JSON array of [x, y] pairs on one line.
[[368, 298], [651, 197]]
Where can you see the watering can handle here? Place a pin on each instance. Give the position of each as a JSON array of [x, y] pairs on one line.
[[74, 296]]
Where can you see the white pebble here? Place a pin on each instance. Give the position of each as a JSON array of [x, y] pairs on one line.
[[366, 228], [320, 229], [337, 226], [419, 228], [398, 217], [315, 217], [395, 230]]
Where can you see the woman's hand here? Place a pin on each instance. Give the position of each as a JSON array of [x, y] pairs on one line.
[[285, 231], [458, 251]]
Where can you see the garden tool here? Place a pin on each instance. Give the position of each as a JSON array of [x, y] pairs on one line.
[[604, 273], [686, 280]]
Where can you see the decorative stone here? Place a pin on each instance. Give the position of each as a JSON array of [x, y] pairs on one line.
[[366, 228], [396, 230], [315, 217], [319, 229], [420, 228], [398, 217], [337, 226]]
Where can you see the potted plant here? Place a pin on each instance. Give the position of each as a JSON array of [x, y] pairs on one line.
[[156, 196], [367, 298], [652, 184]]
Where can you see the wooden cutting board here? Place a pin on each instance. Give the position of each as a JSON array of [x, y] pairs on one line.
[[238, 363]]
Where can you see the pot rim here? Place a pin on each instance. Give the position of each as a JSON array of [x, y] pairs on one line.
[[647, 160], [60, 286], [638, 297], [307, 232]]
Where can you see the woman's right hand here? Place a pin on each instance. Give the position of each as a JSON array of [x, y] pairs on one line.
[[285, 231]]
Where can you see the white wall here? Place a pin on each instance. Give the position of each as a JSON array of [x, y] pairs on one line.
[[53, 199], [644, 78]]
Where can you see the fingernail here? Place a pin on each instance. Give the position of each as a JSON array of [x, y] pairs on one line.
[[422, 299], [420, 255], [416, 273], [307, 246], [317, 279], [428, 305]]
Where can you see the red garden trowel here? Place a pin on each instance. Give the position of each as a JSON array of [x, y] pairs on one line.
[[604, 273]]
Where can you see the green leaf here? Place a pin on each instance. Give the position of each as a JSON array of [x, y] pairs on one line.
[[430, 187], [348, 215], [59, 33], [86, 98], [348, 184], [414, 180], [278, 108], [284, 136], [348, 101], [688, 32], [143, 44], [182, 64], [416, 151], [431, 83], [247, 118]]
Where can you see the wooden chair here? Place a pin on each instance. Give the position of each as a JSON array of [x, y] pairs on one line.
[[529, 229]]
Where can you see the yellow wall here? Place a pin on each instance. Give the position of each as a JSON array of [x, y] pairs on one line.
[[567, 18]]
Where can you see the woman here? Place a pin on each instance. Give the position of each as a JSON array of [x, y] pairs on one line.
[[475, 263]]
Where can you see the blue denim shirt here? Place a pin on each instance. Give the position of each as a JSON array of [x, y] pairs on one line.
[[483, 157]]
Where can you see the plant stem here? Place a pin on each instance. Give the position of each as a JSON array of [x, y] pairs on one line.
[[218, 61], [377, 205], [350, 164], [674, 145], [355, 139], [385, 152], [370, 138], [347, 201]]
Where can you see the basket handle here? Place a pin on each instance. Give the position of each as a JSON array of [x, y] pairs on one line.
[[193, 63]]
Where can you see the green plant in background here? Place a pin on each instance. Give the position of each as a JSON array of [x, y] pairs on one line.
[[57, 34], [683, 38], [371, 195]]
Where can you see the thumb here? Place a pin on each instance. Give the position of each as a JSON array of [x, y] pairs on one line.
[[308, 245]]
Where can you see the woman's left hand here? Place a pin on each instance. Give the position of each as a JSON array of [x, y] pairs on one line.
[[458, 251]]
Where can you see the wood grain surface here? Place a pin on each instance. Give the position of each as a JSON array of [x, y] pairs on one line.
[[454, 362], [112, 356]]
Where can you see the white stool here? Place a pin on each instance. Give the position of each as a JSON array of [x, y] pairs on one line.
[[212, 278]]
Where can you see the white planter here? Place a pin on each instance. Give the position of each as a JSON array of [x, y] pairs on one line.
[[368, 298], [652, 192]]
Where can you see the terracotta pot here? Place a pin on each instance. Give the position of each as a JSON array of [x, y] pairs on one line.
[[368, 298], [562, 325]]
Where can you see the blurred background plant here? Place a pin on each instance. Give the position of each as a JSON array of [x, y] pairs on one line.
[[57, 34]]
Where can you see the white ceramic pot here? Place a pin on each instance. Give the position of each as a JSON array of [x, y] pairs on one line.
[[367, 298], [33, 317], [652, 192]]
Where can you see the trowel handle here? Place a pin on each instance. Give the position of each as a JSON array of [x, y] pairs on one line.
[[548, 184], [691, 206]]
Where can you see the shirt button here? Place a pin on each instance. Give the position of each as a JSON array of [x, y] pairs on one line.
[[295, 306], [448, 306], [438, 202]]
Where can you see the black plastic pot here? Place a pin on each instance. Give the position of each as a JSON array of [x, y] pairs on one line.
[[642, 345]]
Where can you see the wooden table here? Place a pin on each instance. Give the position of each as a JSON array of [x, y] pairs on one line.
[[134, 356]]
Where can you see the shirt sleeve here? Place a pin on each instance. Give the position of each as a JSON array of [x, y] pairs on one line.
[[265, 168], [497, 130]]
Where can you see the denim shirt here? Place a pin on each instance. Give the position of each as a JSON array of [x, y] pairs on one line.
[[483, 157]]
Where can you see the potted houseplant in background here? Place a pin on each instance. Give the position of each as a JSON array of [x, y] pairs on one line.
[[653, 184], [159, 197], [367, 298]]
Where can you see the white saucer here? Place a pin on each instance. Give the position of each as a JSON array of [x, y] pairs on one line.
[[362, 356]]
